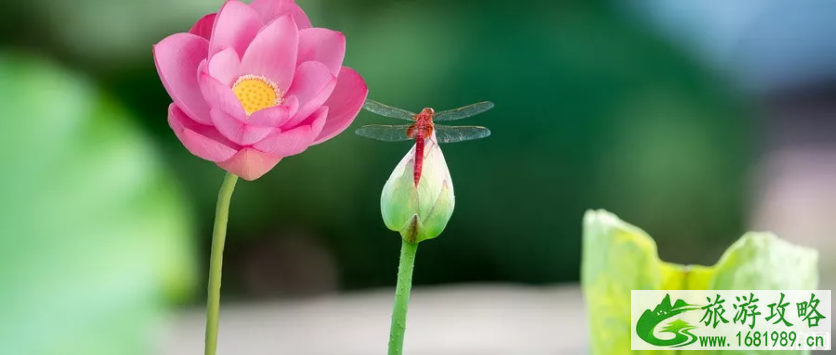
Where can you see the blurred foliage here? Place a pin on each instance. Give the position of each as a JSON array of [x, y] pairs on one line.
[[593, 110], [618, 258], [92, 231]]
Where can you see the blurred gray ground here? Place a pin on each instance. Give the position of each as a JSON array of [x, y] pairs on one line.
[[461, 320]]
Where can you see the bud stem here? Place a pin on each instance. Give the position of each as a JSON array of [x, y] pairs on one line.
[[396, 332], [215, 263]]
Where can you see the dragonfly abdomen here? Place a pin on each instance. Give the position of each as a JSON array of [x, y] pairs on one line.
[[421, 132], [419, 159]]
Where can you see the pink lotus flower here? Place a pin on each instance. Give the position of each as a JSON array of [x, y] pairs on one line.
[[255, 83]]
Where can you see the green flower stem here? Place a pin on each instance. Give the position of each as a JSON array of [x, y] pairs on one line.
[[398, 328], [216, 263]]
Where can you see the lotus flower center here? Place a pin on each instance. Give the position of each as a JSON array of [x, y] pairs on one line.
[[256, 93]]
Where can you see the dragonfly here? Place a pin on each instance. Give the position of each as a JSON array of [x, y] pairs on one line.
[[423, 127]]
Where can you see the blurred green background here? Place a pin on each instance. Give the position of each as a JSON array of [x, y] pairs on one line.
[[595, 108]]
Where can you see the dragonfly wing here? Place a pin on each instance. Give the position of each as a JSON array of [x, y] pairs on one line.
[[463, 112], [388, 111], [454, 134], [386, 133]]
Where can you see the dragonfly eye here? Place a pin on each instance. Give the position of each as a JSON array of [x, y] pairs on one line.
[[428, 110]]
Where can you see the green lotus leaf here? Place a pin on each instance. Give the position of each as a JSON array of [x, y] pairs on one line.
[[619, 257], [93, 235]]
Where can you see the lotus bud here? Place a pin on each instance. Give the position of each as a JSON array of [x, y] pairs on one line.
[[419, 212]]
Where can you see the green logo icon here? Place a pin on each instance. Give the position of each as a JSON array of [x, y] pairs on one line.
[[649, 320]]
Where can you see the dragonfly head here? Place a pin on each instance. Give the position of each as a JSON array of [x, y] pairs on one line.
[[427, 111]]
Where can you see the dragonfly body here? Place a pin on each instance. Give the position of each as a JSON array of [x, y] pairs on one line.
[[423, 127], [421, 130]]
